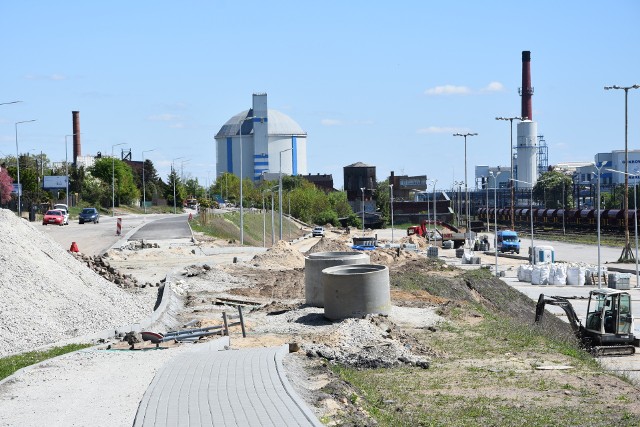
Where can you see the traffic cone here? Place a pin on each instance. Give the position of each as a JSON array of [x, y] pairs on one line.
[[74, 247]]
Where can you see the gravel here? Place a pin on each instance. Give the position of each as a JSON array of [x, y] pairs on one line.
[[49, 296]]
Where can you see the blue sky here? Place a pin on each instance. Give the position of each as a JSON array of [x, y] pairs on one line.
[[377, 83]]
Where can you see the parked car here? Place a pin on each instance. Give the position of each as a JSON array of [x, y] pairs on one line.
[[317, 231], [55, 216], [89, 215]]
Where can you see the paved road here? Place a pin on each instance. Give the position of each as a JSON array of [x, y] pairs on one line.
[[173, 227], [94, 239], [214, 386]]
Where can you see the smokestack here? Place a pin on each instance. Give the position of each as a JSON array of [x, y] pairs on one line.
[[77, 151], [526, 91]]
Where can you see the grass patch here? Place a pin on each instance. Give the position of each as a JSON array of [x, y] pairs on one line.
[[227, 226], [485, 369], [10, 364]]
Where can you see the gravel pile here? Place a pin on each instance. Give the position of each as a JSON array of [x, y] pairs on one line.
[[49, 296], [371, 342]]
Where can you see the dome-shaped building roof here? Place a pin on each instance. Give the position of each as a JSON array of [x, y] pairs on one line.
[[278, 124]]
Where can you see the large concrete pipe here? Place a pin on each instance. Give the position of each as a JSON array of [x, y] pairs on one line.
[[356, 290], [315, 263]]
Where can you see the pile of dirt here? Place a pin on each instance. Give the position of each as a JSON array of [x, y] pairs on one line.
[[330, 245], [420, 242], [281, 255], [392, 256]]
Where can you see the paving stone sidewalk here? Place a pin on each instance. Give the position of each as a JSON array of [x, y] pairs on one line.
[[217, 386]]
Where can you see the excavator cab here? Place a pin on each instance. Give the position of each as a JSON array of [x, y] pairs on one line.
[[609, 320], [608, 329]]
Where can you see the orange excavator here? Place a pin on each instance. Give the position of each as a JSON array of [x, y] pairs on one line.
[[451, 232]]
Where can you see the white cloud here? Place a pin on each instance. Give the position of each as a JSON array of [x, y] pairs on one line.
[[437, 129], [54, 77], [448, 90], [464, 90], [166, 117], [330, 122], [494, 87]]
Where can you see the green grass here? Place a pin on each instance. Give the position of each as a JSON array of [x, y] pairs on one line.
[[227, 226], [10, 364]]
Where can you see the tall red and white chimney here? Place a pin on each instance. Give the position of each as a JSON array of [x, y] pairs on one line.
[[77, 150], [526, 91]]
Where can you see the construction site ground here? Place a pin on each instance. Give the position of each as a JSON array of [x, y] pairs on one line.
[[457, 348]]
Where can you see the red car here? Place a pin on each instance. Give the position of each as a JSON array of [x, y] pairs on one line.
[[54, 216]]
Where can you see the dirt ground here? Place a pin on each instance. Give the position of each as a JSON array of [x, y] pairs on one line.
[[270, 289]]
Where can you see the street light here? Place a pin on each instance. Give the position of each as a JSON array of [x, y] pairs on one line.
[[18, 165], [626, 251], [598, 169], [511, 119], [280, 189], [635, 220], [466, 185], [495, 215], [241, 121], [391, 203], [273, 223], [435, 181], [362, 189], [144, 188], [7, 103], [531, 215], [174, 177], [459, 207], [113, 179], [264, 223]]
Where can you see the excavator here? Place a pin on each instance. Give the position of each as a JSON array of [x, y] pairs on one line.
[[608, 329]]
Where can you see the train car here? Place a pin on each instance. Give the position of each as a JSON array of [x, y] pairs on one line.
[[585, 218]]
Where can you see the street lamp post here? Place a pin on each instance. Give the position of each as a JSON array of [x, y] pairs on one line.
[[113, 179], [495, 216], [511, 119], [280, 189], [261, 119], [391, 203], [488, 222], [435, 181], [264, 223], [599, 169], [635, 219], [362, 189], [459, 205], [466, 185], [144, 188], [174, 177], [273, 223], [626, 251], [531, 216]]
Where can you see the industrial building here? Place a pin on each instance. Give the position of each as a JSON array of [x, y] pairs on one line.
[[260, 141]]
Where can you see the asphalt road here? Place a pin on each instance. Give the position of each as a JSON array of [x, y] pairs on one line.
[[95, 239]]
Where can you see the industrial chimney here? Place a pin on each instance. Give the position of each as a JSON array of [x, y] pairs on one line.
[[526, 91], [527, 162], [77, 151]]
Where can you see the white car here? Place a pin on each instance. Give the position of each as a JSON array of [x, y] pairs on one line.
[[317, 231]]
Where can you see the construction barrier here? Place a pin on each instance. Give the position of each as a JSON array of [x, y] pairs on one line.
[[119, 227]]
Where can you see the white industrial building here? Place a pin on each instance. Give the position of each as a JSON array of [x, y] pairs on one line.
[[267, 137]]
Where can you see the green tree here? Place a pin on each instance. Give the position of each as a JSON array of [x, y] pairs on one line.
[[338, 202], [106, 168], [382, 196], [549, 189], [96, 192], [174, 183]]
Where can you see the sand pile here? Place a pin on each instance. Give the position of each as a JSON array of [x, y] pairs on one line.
[[49, 296], [281, 255], [330, 245], [421, 242]]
